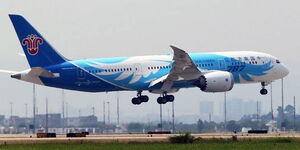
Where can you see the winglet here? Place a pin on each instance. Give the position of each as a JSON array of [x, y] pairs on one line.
[[176, 48], [178, 52]]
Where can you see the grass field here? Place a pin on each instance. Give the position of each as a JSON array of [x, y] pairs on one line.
[[211, 144]]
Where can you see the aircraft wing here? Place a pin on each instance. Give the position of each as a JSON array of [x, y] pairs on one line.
[[183, 68]]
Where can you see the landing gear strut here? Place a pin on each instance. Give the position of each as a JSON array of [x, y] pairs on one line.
[[140, 98], [165, 98], [263, 91]]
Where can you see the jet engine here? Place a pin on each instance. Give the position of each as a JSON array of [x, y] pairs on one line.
[[216, 81]]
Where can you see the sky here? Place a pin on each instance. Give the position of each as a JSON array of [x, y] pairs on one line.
[[113, 28]]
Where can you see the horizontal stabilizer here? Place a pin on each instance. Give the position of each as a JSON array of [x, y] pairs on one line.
[[41, 72]]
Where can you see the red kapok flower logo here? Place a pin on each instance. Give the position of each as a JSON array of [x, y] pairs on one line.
[[32, 42]]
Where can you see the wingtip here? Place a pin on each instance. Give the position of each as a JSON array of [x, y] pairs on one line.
[[175, 48], [172, 46]]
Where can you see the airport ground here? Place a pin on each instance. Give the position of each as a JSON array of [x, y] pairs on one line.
[[268, 143], [10, 139], [284, 141]]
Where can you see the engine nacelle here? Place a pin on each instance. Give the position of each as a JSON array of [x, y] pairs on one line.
[[216, 81]]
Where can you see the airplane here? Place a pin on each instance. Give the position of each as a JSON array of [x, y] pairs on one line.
[[159, 74]]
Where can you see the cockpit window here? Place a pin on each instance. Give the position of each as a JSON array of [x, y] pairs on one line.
[[277, 61]]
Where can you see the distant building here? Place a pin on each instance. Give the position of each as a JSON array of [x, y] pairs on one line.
[[54, 120], [2, 119], [19, 122], [250, 107], [206, 107], [206, 110], [237, 108], [84, 121], [20, 125]]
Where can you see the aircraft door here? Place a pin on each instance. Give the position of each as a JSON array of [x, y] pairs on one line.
[[138, 69], [222, 64], [80, 74]]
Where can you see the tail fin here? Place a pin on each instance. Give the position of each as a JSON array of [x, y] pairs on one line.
[[38, 51]]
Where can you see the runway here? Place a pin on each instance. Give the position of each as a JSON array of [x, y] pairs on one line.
[[6, 139]]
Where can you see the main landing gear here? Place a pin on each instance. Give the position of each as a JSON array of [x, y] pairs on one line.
[[140, 98], [144, 98], [263, 91], [165, 98]]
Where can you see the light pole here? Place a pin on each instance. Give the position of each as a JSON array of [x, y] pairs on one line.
[[46, 115], [11, 113], [173, 116], [271, 94], [108, 114], [26, 110], [34, 107], [104, 123], [225, 111], [282, 106], [118, 109], [93, 111], [67, 113], [161, 125], [63, 110], [294, 113]]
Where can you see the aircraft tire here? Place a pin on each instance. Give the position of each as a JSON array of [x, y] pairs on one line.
[[170, 98], [263, 91], [144, 98], [136, 101]]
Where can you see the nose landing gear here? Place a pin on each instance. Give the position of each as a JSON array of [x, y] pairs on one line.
[[263, 91]]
